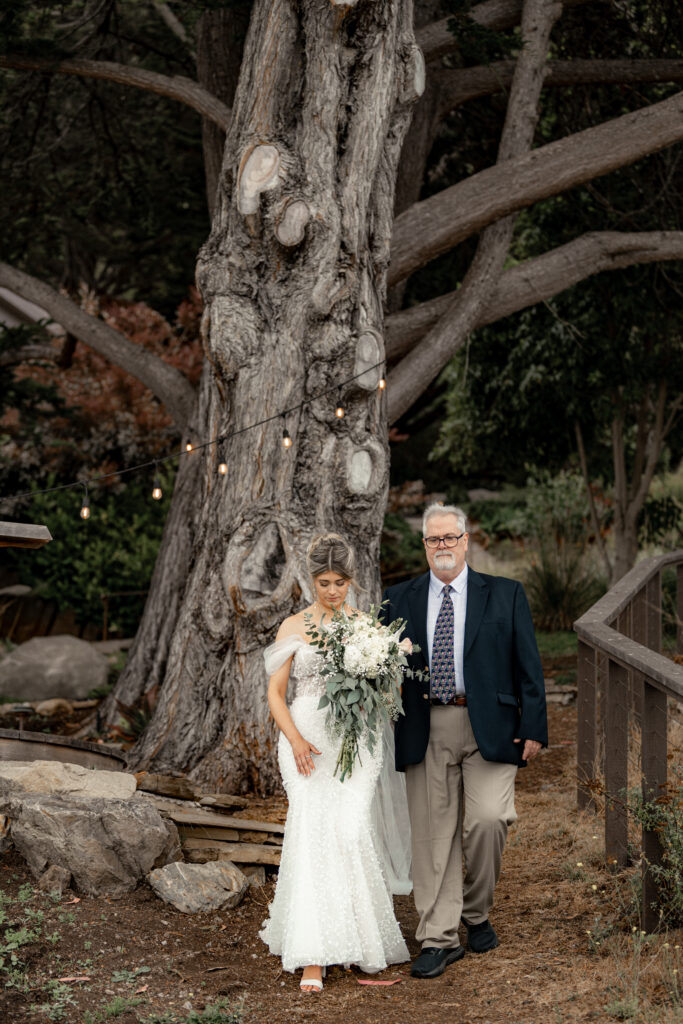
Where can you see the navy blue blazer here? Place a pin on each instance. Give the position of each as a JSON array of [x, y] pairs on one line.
[[503, 675]]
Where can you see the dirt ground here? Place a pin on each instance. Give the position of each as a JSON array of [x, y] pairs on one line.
[[568, 951]]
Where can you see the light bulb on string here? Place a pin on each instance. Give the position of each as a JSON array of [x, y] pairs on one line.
[[339, 411], [286, 439], [157, 493], [85, 504], [188, 446], [222, 465], [381, 384]]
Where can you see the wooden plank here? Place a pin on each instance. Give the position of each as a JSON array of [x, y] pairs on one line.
[[240, 853], [209, 832], [214, 834], [23, 535], [654, 612], [587, 709], [679, 610], [654, 760], [616, 754], [199, 816], [166, 785], [223, 800]]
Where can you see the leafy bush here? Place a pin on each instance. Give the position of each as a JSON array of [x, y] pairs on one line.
[[401, 551], [561, 583], [664, 815], [113, 551]]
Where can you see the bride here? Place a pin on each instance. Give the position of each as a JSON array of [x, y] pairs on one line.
[[346, 844]]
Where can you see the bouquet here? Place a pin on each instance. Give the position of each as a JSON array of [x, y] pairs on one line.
[[363, 670]]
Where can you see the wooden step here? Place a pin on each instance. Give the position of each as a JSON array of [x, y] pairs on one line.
[[240, 853]]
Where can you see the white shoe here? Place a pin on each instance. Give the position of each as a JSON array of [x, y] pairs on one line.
[[313, 982]]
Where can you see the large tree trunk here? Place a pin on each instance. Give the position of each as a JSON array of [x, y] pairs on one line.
[[293, 280]]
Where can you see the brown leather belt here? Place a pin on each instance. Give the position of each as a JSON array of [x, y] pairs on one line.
[[460, 701]]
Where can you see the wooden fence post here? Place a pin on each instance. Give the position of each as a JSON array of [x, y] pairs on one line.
[[654, 751], [587, 708], [616, 765]]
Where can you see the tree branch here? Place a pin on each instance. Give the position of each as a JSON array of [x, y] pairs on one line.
[[175, 25], [168, 384], [417, 369], [433, 226], [436, 40], [459, 85], [654, 450], [44, 353], [540, 279], [175, 87], [599, 539]]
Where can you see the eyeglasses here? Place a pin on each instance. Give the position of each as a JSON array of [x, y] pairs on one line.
[[449, 541]]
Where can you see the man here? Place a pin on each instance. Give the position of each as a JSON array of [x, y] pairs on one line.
[[477, 716]]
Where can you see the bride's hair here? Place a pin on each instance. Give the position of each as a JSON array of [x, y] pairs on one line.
[[330, 552]]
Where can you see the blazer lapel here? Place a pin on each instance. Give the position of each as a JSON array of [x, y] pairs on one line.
[[417, 618], [477, 596]]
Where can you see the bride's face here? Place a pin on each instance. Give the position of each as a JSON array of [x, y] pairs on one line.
[[331, 589]]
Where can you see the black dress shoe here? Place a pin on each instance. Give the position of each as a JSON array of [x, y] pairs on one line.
[[433, 961], [480, 937]]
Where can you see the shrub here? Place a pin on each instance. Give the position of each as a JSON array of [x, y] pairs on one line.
[[115, 550], [664, 815]]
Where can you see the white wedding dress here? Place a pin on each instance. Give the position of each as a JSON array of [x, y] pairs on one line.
[[345, 845]]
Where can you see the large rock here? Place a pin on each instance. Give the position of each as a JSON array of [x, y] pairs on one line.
[[52, 666], [194, 888], [107, 845], [69, 779]]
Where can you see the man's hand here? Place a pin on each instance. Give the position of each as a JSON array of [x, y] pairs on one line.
[[531, 748]]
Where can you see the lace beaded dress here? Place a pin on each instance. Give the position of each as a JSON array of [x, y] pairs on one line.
[[332, 903]]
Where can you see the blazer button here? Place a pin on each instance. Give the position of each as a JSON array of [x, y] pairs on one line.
[[426, 696]]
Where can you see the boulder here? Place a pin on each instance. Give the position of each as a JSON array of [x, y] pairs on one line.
[[107, 845], [69, 779], [52, 666], [255, 874], [54, 706], [55, 879], [194, 888]]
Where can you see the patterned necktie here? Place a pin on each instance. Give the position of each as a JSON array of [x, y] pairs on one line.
[[443, 663]]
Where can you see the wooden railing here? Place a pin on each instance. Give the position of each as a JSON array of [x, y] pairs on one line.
[[621, 671]]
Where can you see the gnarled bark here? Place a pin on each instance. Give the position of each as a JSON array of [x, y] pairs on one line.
[[320, 112]]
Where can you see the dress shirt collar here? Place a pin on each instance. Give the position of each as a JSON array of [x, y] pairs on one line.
[[458, 584]]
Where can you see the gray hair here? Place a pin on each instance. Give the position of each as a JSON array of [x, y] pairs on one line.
[[437, 509], [330, 552]]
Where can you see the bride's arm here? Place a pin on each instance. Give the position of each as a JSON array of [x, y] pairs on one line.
[[303, 750]]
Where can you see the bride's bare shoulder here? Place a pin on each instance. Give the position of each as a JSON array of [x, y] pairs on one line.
[[293, 625]]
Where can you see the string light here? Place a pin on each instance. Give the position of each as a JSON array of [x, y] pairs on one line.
[[287, 442], [85, 504], [222, 464], [157, 493]]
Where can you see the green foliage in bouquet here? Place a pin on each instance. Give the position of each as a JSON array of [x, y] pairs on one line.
[[364, 666]]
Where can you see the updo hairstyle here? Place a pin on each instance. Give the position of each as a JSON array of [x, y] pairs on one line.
[[330, 552]]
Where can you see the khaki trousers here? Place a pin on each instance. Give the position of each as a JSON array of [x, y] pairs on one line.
[[458, 804]]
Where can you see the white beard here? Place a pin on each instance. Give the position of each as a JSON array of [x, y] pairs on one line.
[[445, 560]]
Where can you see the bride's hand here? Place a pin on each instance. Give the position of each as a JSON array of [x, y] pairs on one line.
[[303, 755], [406, 645]]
